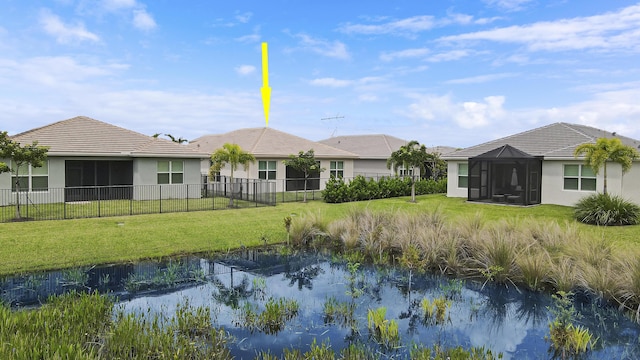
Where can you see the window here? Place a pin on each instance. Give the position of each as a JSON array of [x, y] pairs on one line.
[[336, 169], [579, 177], [267, 170], [405, 172], [170, 172], [30, 178], [463, 175]]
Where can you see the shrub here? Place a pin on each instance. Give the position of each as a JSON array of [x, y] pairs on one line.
[[606, 210], [359, 188]]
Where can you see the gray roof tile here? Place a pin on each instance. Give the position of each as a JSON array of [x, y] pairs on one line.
[[557, 140], [84, 136], [268, 142]]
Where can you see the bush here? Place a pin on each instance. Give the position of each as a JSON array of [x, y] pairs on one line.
[[606, 210], [358, 189]]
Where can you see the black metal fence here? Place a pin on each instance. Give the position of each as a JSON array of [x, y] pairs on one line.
[[103, 201]]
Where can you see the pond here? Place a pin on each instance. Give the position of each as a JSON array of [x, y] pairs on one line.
[[506, 320]]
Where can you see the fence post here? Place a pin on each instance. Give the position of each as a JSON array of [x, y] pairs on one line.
[[160, 198], [187, 197], [98, 191]]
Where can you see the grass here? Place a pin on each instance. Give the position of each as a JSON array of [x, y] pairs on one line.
[[45, 245]]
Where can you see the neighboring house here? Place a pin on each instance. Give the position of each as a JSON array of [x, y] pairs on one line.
[[373, 152], [270, 147], [85, 154], [537, 167]]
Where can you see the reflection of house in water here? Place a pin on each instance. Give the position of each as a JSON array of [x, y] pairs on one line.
[[129, 280]]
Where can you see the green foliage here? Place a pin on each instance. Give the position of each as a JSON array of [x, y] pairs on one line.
[[384, 332], [306, 163], [567, 340], [272, 319], [435, 311], [359, 189], [340, 312], [234, 156], [596, 155], [458, 353], [411, 156], [21, 156], [606, 210]]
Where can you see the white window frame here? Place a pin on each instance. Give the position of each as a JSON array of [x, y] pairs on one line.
[[29, 172], [268, 170], [580, 178], [463, 176], [336, 168], [170, 172]]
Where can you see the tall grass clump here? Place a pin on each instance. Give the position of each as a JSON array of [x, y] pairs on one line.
[[67, 326], [606, 210], [567, 340], [307, 229], [384, 331]]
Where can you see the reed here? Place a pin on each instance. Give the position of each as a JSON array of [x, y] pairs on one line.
[[384, 332]]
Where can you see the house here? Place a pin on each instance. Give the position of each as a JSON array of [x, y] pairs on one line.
[[537, 167], [373, 152], [270, 148], [90, 159]]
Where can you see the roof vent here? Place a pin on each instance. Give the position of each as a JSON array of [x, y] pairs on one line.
[[613, 133]]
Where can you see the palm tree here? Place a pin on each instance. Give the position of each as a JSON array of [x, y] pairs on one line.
[[411, 156], [233, 155], [597, 155]]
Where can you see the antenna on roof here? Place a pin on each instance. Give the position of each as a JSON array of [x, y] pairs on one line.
[[333, 118]]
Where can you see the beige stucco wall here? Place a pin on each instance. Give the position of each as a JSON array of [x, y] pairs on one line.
[[452, 180], [145, 172], [552, 184], [252, 171]]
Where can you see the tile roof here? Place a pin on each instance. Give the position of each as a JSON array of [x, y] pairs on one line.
[[84, 136], [557, 140], [268, 142], [377, 146]]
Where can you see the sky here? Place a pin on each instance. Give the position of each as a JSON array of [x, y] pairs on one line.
[[447, 72]]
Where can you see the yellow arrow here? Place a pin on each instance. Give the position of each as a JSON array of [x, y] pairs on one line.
[[265, 89]]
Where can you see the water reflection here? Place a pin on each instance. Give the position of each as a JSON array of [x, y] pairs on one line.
[[503, 319]]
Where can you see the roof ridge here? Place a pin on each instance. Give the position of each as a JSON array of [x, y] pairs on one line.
[[572, 127], [255, 144], [386, 141]]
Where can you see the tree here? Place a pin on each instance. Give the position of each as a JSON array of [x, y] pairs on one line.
[[233, 155], [436, 165], [179, 140], [20, 156], [306, 163], [597, 155], [411, 156]]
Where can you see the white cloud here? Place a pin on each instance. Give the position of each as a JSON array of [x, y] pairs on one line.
[[412, 25], [368, 98], [249, 38], [143, 20], [113, 5], [509, 5], [409, 25], [331, 82], [245, 69], [53, 72], [244, 18], [333, 49], [403, 54], [467, 115], [609, 31], [449, 55], [65, 33], [480, 78]]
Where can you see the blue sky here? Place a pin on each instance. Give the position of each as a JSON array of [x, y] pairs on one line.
[[449, 72]]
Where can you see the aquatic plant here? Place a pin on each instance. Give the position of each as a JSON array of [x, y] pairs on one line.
[[340, 312], [76, 278], [383, 331], [435, 311], [567, 340], [272, 319], [306, 229], [419, 352]]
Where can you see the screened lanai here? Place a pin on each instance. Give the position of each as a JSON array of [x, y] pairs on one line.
[[505, 175]]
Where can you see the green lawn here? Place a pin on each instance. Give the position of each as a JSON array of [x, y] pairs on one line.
[[39, 245]]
